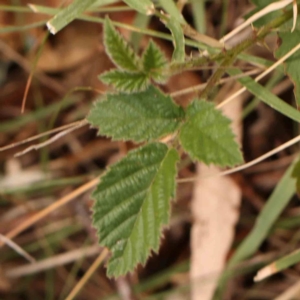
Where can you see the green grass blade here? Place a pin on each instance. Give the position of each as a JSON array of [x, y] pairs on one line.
[[171, 8], [198, 9], [9, 29], [15, 8], [68, 14], [274, 80], [267, 97], [278, 200], [36, 115], [278, 265], [43, 185], [140, 21], [143, 6], [178, 39], [276, 203]]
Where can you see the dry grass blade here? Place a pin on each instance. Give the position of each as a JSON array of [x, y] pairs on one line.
[[52, 139], [263, 74], [53, 262], [290, 293], [64, 127], [17, 248], [272, 7], [64, 200], [88, 274], [201, 86]]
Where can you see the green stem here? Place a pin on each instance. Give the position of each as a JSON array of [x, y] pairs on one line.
[[215, 78], [230, 55], [233, 52]]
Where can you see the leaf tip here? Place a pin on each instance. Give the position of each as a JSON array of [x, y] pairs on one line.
[[150, 10], [265, 272], [32, 7], [51, 28]]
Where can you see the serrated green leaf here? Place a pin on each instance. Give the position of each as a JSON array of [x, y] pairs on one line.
[[153, 57], [118, 49], [171, 8], [68, 14], [207, 136], [153, 61], [132, 203], [126, 82], [178, 39], [138, 117], [292, 65], [145, 7]]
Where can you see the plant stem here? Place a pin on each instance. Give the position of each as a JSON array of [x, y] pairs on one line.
[[215, 78], [233, 52]]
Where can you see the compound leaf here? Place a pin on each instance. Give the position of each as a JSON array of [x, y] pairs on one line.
[[132, 203], [153, 61], [138, 117], [207, 136], [118, 49], [126, 82]]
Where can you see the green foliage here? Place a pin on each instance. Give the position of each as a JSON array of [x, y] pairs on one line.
[[132, 202], [206, 136], [140, 117], [154, 61], [118, 49], [126, 82], [274, 206], [289, 40], [138, 71]]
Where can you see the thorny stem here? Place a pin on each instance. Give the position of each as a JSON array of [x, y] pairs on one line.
[[215, 78], [229, 54]]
